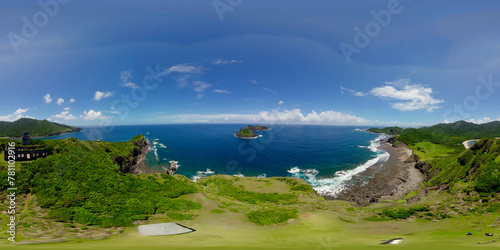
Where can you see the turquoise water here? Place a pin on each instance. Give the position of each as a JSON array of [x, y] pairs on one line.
[[471, 143], [313, 153]]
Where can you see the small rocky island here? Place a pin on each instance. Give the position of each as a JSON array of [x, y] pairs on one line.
[[248, 131]]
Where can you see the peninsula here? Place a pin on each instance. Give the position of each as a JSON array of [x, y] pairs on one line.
[[37, 128], [248, 131]]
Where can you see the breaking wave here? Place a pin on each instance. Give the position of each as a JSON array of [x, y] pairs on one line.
[[332, 186]]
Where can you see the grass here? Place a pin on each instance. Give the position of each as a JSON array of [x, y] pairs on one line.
[[318, 224], [408, 196], [427, 151]]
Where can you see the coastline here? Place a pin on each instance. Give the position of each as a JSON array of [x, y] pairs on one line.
[[140, 167], [390, 180]]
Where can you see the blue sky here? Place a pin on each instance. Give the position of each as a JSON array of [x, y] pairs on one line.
[[406, 63]]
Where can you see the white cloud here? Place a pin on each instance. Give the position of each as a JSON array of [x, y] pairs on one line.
[[281, 102], [482, 120], [124, 77], [356, 93], [183, 68], [222, 61], [67, 109], [60, 101], [101, 95], [200, 87], [129, 85], [221, 91], [408, 96], [254, 82], [65, 115], [18, 114], [94, 115], [329, 117], [294, 116], [72, 100], [47, 98]]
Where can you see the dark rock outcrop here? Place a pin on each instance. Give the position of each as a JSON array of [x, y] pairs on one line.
[[129, 163]]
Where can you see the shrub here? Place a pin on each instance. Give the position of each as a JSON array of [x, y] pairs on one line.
[[271, 216], [61, 214], [397, 214]]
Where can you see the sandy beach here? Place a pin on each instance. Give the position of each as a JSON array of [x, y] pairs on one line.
[[390, 180]]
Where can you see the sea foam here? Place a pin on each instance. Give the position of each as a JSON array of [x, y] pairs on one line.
[[332, 186]]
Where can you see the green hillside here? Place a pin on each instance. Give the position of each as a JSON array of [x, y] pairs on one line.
[[35, 127], [450, 134], [388, 130], [479, 166]]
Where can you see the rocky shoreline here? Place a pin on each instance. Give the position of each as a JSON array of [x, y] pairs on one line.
[[137, 164], [390, 180]]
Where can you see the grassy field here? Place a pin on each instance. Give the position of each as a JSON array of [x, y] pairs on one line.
[[320, 224], [427, 151]]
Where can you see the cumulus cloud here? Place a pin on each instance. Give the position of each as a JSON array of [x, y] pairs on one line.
[[329, 117], [94, 115], [295, 116], [18, 114], [482, 120], [47, 98], [221, 91], [72, 100], [200, 87], [67, 109], [281, 102], [65, 115], [60, 101], [222, 61], [101, 95], [407, 96]]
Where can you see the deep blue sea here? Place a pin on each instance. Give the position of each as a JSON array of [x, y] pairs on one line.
[[314, 153]]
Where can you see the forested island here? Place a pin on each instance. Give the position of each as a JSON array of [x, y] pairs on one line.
[[37, 128], [248, 131]]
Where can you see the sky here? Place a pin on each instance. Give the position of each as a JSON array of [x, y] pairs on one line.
[[370, 63]]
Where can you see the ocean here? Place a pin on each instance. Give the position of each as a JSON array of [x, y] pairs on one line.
[[313, 153]]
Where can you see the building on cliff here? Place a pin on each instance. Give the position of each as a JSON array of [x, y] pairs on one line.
[[27, 152]]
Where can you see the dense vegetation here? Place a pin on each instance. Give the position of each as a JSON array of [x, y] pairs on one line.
[[81, 183], [388, 130], [246, 133], [257, 128], [450, 134], [35, 127], [479, 165], [271, 216]]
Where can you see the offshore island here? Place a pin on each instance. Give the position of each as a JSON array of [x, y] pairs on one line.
[[248, 132]]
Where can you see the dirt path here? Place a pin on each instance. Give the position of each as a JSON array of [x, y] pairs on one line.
[[26, 201]]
